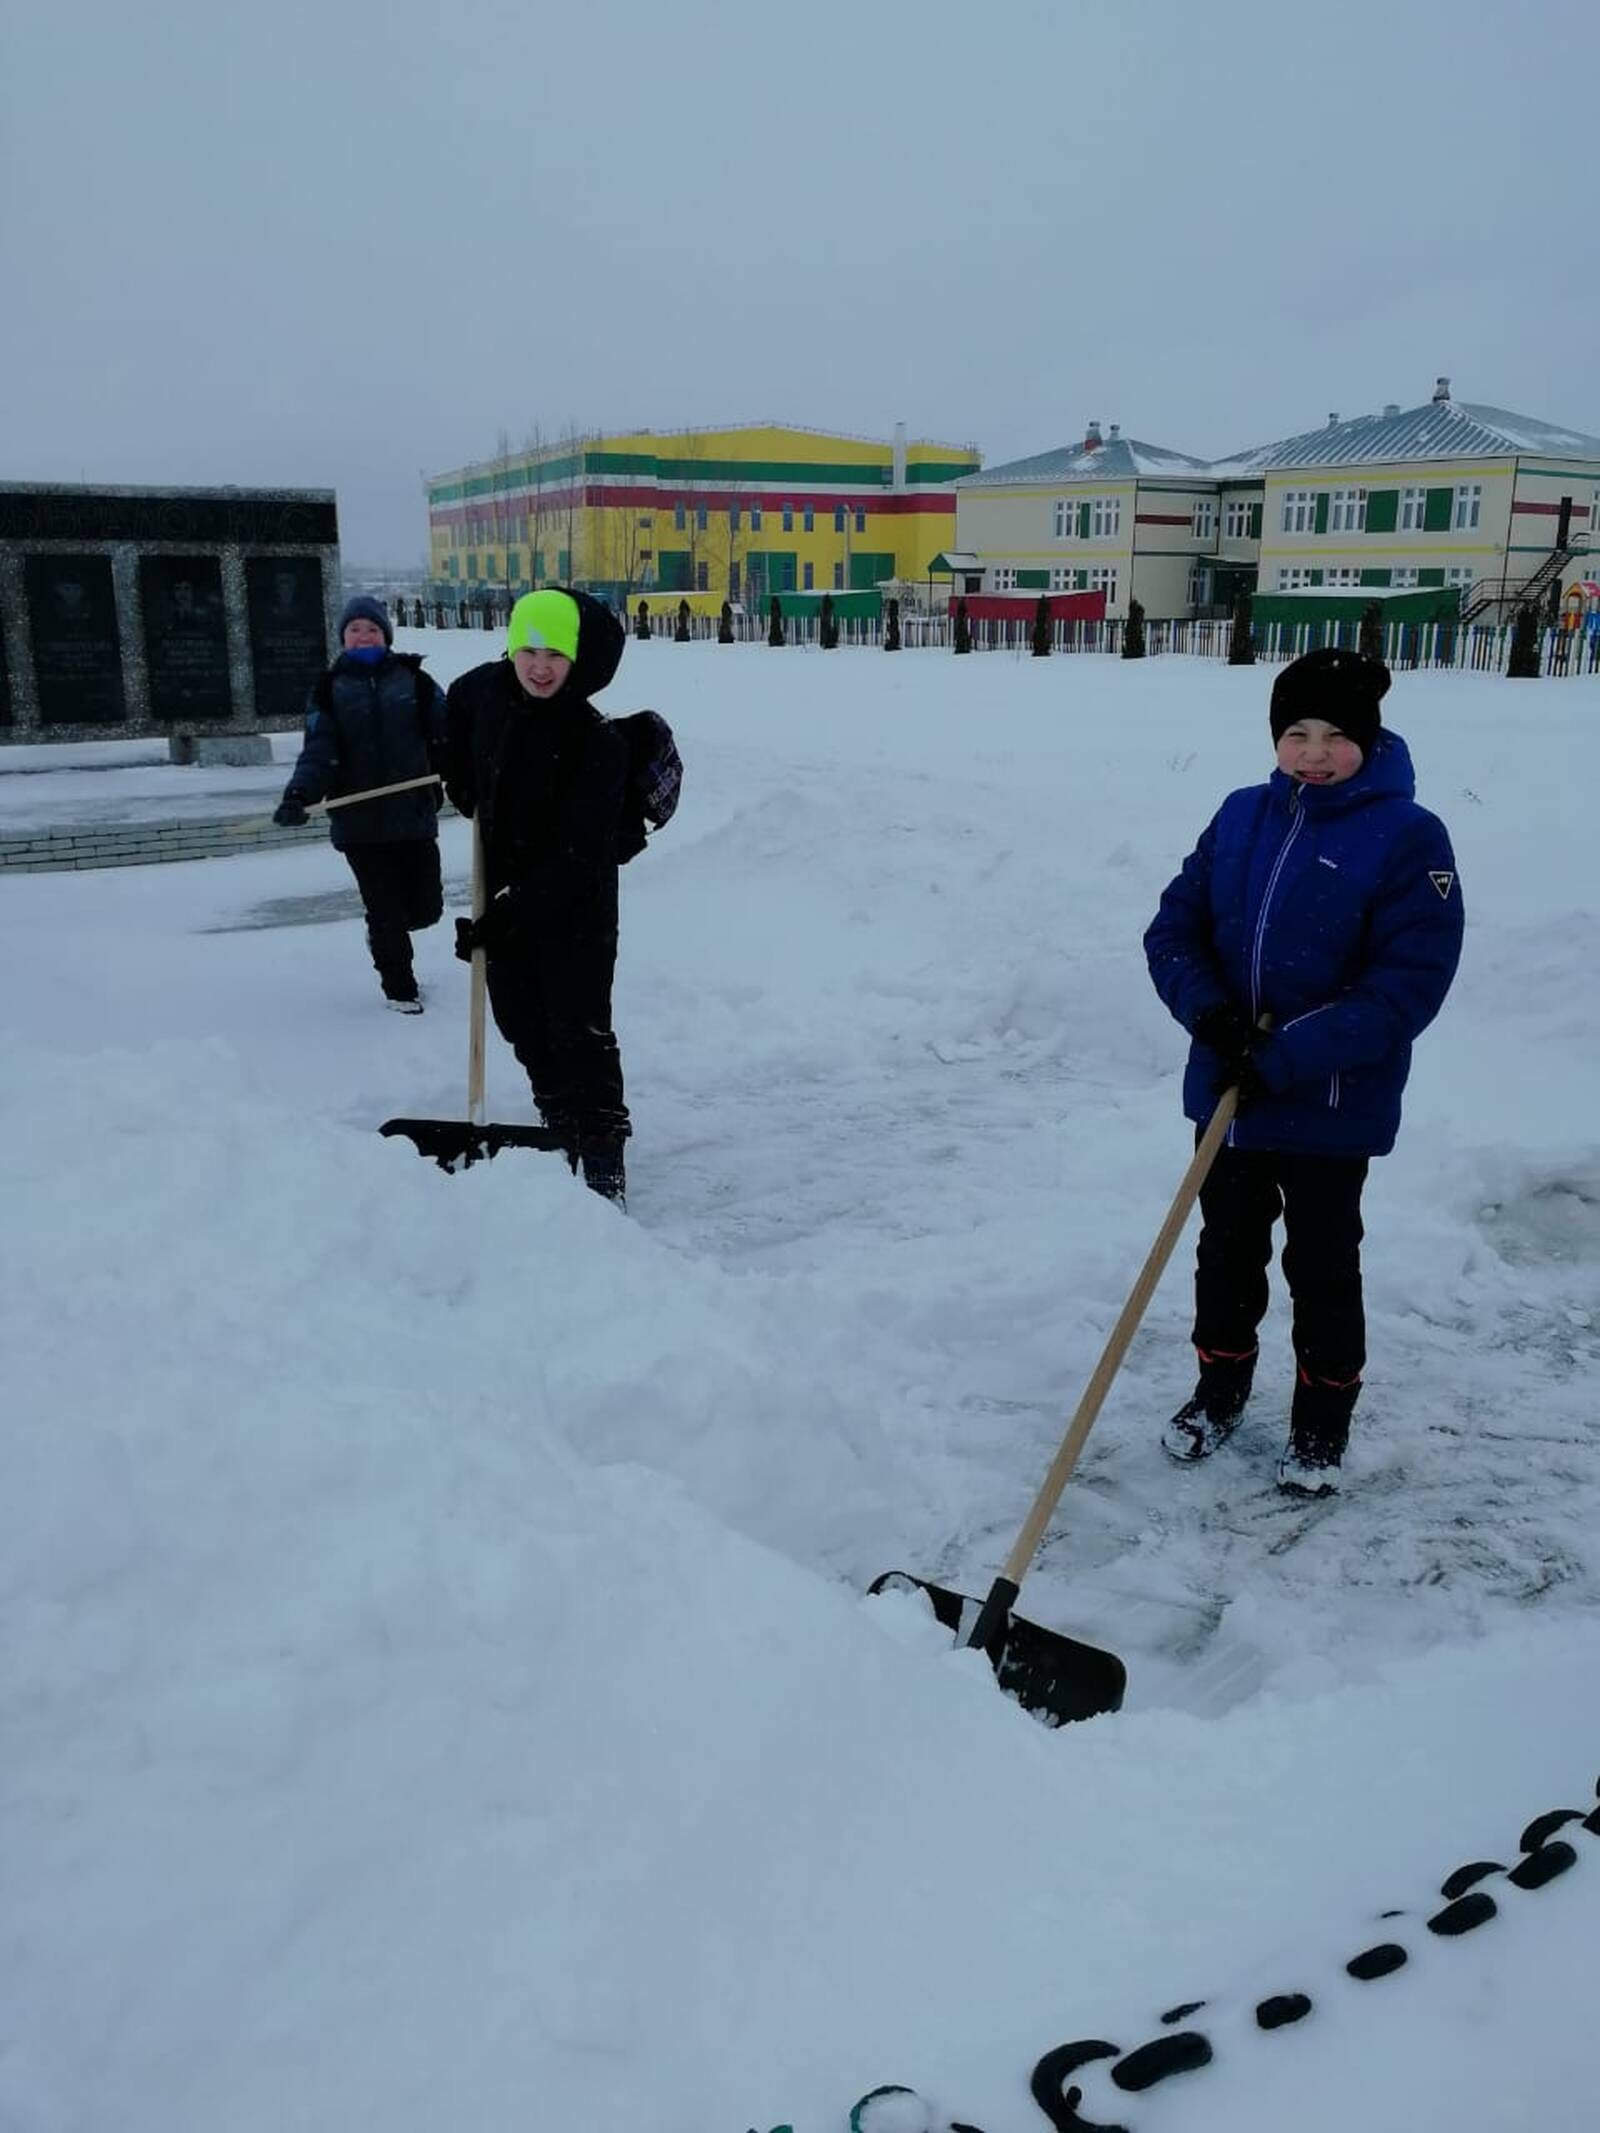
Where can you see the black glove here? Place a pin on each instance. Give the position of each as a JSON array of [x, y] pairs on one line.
[[1225, 1029], [290, 811], [1250, 1082], [490, 933]]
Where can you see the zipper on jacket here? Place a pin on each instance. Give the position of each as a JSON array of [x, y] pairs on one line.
[[1296, 819]]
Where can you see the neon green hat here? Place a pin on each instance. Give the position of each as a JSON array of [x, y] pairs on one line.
[[545, 620]]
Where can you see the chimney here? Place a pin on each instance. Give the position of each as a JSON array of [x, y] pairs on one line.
[[1092, 439], [1390, 407], [1116, 432], [1441, 390], [899, 455], [1333, 420]]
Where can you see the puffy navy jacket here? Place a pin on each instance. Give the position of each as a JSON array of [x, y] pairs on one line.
[[374, 725], [1337, 910]]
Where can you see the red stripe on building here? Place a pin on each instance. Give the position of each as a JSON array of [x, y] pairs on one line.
[[1550, 510], [1163, 518]]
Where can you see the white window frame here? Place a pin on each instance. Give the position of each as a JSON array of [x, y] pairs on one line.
[[1199, 588], [1343, 576], [1594, 523], [1413, 510], [1203, 522], [1467, 511], [1066, 519], [1404, 577], [1063, 578], [1103, 578], [1460, 574], [1105, 518], [1236, 519], [1005, 577], [1347, 511], [1294, 577], [1299, 511]]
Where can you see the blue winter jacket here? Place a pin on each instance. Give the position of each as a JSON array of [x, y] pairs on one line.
[[1336, 909], [367, 725]]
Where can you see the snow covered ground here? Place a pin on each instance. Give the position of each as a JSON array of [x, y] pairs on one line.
[[437, 1691]]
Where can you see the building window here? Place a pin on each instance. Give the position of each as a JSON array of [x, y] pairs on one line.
[[702, 577], [1236, 519], [1459, 574], [680, 517], [1005, 579], [513, 564], [472, 566], [1342, 574], [861, 522], [1292, 576], [788, 518], [1199, 586], [1066, 520], [1413, 510], [1405, 574], [838, 573], [1299, 511], [1594, 523], [807, 523], [1205, 517], [1469, 508], [1061, 579], [838, 518], [700, 518], [755, 518], [1347, 511], [1105, 519], [1103, 580], [733, 518], [808, 581]]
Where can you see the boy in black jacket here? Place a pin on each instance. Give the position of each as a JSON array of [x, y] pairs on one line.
[[545, 773], [374, 718]]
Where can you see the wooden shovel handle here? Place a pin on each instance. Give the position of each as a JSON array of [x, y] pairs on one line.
[[374, 792], [1122, 1333], [478, 987]]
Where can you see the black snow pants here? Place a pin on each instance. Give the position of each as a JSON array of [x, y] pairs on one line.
[[1319, 1197], [402, 894], [551, 996]]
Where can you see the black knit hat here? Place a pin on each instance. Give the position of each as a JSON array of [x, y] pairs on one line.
[[1345, 688], [364, 608]]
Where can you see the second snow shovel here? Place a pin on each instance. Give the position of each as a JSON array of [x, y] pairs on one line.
[[456, 1143], [1048, 1673]]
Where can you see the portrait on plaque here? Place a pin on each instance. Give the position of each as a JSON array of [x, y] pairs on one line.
[[185, 638], [77, 650], [288, 633]]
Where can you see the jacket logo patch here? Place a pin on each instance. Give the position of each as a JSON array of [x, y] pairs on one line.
[[1324, 861], [1443, 881]]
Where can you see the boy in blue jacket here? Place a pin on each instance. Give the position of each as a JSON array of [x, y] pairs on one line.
[[1328, 901]]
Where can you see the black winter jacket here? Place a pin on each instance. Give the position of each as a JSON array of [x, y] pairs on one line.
[[546, 781], [374, 725]]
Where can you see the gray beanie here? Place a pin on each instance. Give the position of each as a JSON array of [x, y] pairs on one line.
[[364, 608]]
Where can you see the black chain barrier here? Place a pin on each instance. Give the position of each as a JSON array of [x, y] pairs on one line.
[[1543, 1856]]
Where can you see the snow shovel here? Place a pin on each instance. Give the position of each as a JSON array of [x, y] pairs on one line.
[[252, 823], [457, 1143], [1052, 1675]]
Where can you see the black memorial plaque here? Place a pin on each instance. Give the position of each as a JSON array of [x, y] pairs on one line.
[[288, 633], [5, 684], [185, 638], [245, 519], [77, 653]]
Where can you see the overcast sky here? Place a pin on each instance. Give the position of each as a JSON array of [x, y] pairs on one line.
[[342, 246]]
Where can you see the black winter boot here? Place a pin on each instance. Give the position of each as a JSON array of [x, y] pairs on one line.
[[603, 1168], [561, 1122], [1210, 1416], [1319, 1429]]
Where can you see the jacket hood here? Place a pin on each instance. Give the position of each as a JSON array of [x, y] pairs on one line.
[[1386, 774], [601, 643]]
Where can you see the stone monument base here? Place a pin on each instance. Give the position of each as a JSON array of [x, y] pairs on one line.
[[236, 750]]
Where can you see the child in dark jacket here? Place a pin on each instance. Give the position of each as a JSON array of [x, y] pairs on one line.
[[374, 718], [545, 774], [1328, 902]]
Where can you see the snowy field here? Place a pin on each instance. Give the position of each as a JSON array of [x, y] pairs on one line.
[[437, 1692]]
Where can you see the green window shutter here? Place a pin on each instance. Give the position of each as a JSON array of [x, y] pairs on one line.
[[1432, 577], [564, 564], [672, 570], [1383, 511], [1080, 581], [1322, 515], [512, 561], [1316, 577], [1436, 516], [1255, 522], [538, 566], [1083, 522], [472, 566], [1033, 580], [1375, 577]]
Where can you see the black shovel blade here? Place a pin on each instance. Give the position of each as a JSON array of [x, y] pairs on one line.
[[456, 1144], [1055, 1677]]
